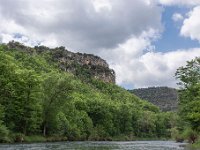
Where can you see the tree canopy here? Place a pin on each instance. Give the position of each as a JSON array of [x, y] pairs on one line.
[[37, 98], [189, 104]]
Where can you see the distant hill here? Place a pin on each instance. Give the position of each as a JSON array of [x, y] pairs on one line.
[[164, 97]]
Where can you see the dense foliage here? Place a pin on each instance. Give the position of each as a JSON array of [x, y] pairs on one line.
[[37, 98], [189, 106]]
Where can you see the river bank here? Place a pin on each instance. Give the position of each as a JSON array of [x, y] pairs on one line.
[[97, 145], [38, 139], [20, 138]]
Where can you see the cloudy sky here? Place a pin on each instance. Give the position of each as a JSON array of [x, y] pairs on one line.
[[144, 41]]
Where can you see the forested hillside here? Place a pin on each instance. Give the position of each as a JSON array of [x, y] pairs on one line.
[[40, 101], [164, 97], [85, 66]]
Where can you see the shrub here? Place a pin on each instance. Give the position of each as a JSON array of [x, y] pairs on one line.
[[190, 135], [4, 134]]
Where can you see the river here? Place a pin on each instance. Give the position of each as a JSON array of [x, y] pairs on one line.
[[135, 145]]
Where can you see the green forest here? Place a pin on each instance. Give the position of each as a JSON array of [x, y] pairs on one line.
[[41, 102]]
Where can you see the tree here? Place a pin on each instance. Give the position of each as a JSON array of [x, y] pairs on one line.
[[56, 89], [147, 124], [189, 76], [3, 130], [19, 90], [29, 98], [125, 119]]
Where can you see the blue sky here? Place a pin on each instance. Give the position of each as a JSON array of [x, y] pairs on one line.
[[171, 38], [144, 41]]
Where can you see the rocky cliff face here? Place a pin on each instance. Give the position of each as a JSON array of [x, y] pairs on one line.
[[83, 65], [165, 98]]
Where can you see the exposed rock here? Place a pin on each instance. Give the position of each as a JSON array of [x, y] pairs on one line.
[[80, 64], [84, 64], [164, 97]]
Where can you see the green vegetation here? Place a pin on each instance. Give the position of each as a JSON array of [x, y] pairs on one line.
[[189, 105], [40, 102], [164, 97]]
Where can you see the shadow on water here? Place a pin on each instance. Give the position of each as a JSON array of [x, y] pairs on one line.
[[135, 145]]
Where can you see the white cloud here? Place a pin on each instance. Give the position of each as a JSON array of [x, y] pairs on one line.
[[102, 5], [180, 2], [161, 67], [177, 17], [139, 68], [85, 25], [5, 38], [120, 31], [191, 25]]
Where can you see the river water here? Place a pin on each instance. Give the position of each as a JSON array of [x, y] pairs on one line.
[[135, 145]]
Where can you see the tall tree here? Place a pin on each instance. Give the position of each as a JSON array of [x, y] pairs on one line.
[[29, 96], [56, 89], [189, 77], [19, 90], [3, 130]]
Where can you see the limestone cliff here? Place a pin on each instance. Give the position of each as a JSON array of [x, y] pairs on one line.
[[80, 64], [164, 97]]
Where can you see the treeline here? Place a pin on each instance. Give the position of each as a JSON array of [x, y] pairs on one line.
[[38, 101]]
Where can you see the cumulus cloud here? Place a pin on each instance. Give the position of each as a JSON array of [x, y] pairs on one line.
[[191, 25], [5, 38], [138, 67], [81, 25], [180, 2], [177, 17], [120, 31]]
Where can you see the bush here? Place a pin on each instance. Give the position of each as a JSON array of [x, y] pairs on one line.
[[196, 145], [175, 134], [4, 134], [34, 138], [190, 135], [18, 137]]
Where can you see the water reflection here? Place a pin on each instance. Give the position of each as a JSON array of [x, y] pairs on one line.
[[135, 145]]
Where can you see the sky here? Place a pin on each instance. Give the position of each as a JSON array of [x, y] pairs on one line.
[[144, 41]]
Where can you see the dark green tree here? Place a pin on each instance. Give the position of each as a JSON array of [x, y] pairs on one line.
[[56, 91], [29, 98], [3, 130], [189, 77]]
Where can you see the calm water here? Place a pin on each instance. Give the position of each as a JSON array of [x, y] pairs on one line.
[[136, 145]]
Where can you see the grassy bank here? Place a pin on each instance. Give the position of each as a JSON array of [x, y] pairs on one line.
[[196, 145], [20, 138]]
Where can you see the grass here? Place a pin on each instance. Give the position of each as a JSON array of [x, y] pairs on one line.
[[34, 138], [196, 145]]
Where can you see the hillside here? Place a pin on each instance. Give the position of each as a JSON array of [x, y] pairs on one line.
[[82, 65], [41, 101], [164, 97]]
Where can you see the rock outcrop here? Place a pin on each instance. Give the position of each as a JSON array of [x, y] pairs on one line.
[[164, 97], [80, 64]]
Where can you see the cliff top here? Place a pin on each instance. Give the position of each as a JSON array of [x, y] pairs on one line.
[[80, 64]]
